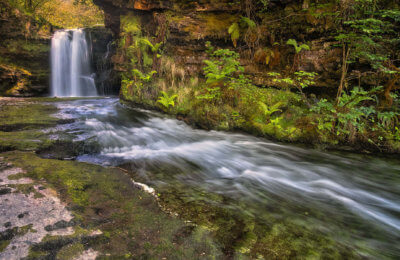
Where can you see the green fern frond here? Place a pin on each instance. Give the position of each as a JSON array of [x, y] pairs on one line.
[[247, 22], [234, 31]]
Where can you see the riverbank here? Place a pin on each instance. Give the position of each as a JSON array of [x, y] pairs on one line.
[[210, 194], [291, 122], [273, 69], [95, 211]]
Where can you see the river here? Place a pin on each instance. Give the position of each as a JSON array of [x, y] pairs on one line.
[[352, 199]]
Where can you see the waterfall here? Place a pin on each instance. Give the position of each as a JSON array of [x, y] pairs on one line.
[[71, 74]]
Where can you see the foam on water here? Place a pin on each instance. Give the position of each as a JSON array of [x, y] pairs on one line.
[[240, 165]]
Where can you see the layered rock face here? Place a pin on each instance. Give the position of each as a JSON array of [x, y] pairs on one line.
[[24, 53], [185, 26], [230, 65], [102, 49]]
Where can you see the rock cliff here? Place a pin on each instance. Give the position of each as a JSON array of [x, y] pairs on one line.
[[185, 26], [276, 61], [24, 53]]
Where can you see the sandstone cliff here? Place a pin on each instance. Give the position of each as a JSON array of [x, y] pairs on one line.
[[185, 26], [24, 53]]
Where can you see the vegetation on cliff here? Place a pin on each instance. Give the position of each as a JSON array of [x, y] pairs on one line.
[[62, 14], [25, 30], [110, 213], [353, 102]]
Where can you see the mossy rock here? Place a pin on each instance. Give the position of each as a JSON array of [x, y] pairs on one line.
[[105, 198]]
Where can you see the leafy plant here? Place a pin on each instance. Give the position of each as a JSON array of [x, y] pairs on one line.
[[264, 5], [300, 80], [245, 23], [367, 34], [223, 70], [268, 111], [351, 116], [166, 101], [234, 31], [298, 48], [222, 67], [211, 93], [154, 48], [146, 77]]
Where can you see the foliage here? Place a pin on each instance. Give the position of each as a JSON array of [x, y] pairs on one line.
[[264, 5], [244, 24], [356, 114], [223, 70], [269, 110], [227, 99], [223, 66], [62, 14], [234, 31], [300, 80], [368, 35], [146, 77], [167, 100], [154, 48], [298, 48]]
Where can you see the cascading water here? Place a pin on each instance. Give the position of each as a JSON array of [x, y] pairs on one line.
[[351, 199], [70, 65]]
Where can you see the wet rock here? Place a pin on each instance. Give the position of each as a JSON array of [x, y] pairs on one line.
[[23, 214], [8, 234], [7, 224], [60, 225], [67, 150], [24, 68], [26, 216], [4, 191]]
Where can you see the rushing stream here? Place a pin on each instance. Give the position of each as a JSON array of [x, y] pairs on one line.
[[352, 198]]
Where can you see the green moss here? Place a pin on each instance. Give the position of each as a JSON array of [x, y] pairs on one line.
[[247, 234], [211, 25], [27, 189], [70, 251], [30, 140], [36, 254], [104, 199], [19, 46], [8, 65], [130, 24], [21, 124], [25, 116], [8, 235], [4, 244]]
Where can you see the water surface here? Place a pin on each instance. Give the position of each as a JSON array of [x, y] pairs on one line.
[[352, 199]]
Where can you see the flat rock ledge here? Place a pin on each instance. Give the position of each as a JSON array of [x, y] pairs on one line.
[[27, 210]]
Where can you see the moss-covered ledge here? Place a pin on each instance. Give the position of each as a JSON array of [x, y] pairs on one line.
[[127, 222]]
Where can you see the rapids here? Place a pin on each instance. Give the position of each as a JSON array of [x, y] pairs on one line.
[[353, 198]]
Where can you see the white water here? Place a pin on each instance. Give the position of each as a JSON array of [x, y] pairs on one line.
[[71, 74], [351, 197]]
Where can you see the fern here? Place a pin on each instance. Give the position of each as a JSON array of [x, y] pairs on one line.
[[297, 48], [146, 42], [167, 100], [247, 22], [234, 31], [147, 77], [244, 24], [268, 111]]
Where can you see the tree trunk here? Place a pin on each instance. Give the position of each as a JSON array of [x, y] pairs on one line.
[[345, 66]]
